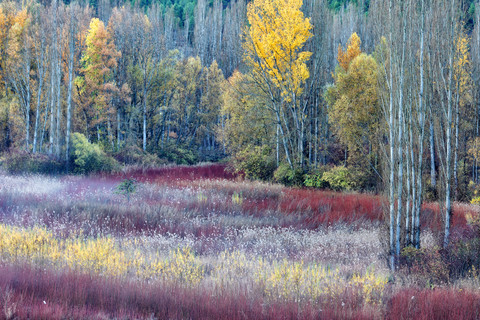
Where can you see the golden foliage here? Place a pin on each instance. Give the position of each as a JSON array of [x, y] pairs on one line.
[[129, 257], [344, 58], [274, 41], [372, 287], [98, 60], [7, 19], [286, 280], [462, 71]]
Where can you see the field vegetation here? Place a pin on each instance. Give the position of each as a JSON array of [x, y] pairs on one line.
[[202, 243], [349, 137]]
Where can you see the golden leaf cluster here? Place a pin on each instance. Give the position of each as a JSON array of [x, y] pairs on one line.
[[274, 41]]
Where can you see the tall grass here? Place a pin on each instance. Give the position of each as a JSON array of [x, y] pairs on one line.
[[33, 293], [195, 243]]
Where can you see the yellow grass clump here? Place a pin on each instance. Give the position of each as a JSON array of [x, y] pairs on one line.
[[102, 255]]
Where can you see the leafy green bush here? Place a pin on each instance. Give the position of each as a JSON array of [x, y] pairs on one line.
[[179, 154], [256, 163], [89, 157], [339, 178], [364, 178], [20, 161], [314, 179], [133, 155], [288, 176]]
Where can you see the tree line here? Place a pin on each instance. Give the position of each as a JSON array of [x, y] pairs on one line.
[[121, 82]]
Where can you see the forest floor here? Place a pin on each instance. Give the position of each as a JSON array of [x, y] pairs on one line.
[[199, 243]]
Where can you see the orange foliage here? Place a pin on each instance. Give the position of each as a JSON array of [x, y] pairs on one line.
[[353, 50]]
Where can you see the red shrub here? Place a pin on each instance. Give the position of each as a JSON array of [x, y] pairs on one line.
[[174, 174], [322, 207], [40, 294], [432, 218], [434, 304], [50, 295]]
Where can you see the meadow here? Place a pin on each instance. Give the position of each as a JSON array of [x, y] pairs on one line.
[[201, 243]]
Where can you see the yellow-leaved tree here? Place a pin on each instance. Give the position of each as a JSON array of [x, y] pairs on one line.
[[464, 109], [354, 111], [11, 123], [273, 45], [96, 85], [246, 122], [18, 65]]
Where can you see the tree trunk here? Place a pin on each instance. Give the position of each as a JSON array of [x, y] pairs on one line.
[[70, 83], [59, 109], [409, 194], [37, 112], [433, 177], [448, 160], [455, 152], [144, 115], [391, 198], [40, 72], [421, 121], [53, 74], [27, 106]]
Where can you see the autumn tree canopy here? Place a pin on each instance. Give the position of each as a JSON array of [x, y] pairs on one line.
[[353, 99], [96, 86], [273, 45], [274, 42]]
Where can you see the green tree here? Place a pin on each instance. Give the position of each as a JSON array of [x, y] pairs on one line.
[[246, 117], [126, 188], [354, 111], [89, 157]]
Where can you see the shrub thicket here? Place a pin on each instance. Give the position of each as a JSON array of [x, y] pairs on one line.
[[432, 265], [339, 178], [20, 161], [89, 157], [133, 155], [257, 163], [179, 154], [314, 179], [288, 176]]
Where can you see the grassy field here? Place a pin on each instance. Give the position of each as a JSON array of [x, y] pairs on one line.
[[199, 243]]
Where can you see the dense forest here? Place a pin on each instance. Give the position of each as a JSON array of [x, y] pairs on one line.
[[376, 95]]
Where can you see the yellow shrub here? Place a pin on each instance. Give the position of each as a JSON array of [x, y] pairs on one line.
[[475, 200], [101, 255], [232, 266], [372, 287], [183, 267], [287, 280], [237, 198]]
